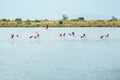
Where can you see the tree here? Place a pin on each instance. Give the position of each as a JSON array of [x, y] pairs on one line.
[[18, 19], [3, 19], [64, 17], [81, 18], [114, 19], [36, 20]]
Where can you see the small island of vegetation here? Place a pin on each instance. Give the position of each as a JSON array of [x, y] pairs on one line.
[[64, 22]]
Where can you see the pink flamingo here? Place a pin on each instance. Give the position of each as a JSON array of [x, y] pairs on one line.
[[83, 36], [12, 36]]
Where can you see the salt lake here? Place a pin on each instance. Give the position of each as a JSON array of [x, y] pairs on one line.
[[51, 57]]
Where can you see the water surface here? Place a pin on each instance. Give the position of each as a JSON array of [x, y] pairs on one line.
[[51, 57]]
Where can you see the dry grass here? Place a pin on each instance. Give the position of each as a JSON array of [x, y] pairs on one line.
[[56, 23]]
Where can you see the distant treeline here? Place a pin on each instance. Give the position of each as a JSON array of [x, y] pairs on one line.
[[65, 22]]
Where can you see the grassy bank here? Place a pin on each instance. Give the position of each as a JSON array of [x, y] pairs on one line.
[[60, 23]]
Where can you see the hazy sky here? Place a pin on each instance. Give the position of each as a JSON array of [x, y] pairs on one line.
[[54, 9]]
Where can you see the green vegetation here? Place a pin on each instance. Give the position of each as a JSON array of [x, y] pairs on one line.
[[78, 22], [78, 19], [64, 17], [114, 19]]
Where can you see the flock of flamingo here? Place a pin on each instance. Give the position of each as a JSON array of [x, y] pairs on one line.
[[72, 34]]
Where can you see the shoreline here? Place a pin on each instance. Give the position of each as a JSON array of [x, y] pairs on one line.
[[59, 23]]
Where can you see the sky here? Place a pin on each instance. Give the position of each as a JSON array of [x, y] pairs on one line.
[[54, 9]]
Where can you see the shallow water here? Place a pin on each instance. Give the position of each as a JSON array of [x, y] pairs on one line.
[[51, 57]]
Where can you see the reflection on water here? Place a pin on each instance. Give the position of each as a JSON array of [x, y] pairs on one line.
[[60, 58]]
